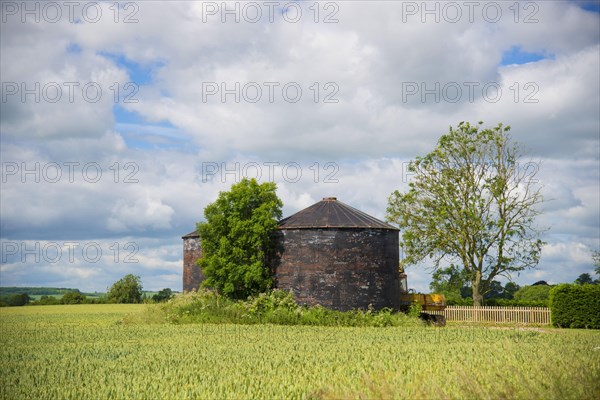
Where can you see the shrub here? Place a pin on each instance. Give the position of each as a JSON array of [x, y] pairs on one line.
[[126, 290], [163, 295], [46, 300], [415, 310], [73, 298], [575, 306], [534, 295], [516, 303], [15, 300], [273, 307], [459, 301], [271, 301]]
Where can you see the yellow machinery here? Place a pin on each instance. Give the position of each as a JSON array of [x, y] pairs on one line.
[[428, 302]]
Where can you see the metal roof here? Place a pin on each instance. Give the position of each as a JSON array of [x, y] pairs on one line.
[[331, 213], [193, 234]]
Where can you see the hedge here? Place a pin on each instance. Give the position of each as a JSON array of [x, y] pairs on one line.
[[575, 306]]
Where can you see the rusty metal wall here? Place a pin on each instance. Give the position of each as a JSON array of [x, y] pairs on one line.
[[340, 269], [192, 276]]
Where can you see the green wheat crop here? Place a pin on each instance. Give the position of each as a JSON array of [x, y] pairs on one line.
[[83, 352]]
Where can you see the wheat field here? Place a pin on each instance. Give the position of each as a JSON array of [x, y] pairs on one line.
[[86, 352]]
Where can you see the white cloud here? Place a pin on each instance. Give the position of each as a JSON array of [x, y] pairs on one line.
[[143, 212], [371, 57]]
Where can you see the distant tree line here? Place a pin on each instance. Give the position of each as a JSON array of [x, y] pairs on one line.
[[35, 291], [70, 297], [126, 290]]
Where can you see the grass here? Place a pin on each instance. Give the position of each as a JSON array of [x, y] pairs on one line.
[[86, 352]]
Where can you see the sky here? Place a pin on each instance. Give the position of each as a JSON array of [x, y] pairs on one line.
[[121, 121]]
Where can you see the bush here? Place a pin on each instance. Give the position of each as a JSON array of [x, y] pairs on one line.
[[533, 296], [46, 300], [15, 300], [527, 296], [73, 298], [575, 306], [126, 290], [273, 307], [459, 301], [516, 303], [163, 295]]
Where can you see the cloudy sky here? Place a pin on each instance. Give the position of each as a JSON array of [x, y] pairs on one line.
[[120, 124]]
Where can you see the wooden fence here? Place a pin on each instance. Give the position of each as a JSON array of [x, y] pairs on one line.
[[522, 315]]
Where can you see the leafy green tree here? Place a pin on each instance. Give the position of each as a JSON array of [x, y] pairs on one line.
[[542, 283], [449, 282], [236, 238], [126, 290], [596, 258], [163, 295], [534, 295], [471, 201], [499, 295], [583, 279], [20, 299], [466, 291], [73, 297], [448, 279], [495, 291], [509, 290]]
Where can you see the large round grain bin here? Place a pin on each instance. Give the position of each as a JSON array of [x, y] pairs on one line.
[[337, 256]]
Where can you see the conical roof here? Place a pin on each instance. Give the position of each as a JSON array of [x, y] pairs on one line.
[[331, 213], [193, 234]]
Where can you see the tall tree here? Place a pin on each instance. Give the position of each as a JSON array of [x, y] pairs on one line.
[[471, 201], [236, 238]]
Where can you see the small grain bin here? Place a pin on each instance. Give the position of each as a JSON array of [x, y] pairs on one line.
[[192, 252], [337, 256]]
